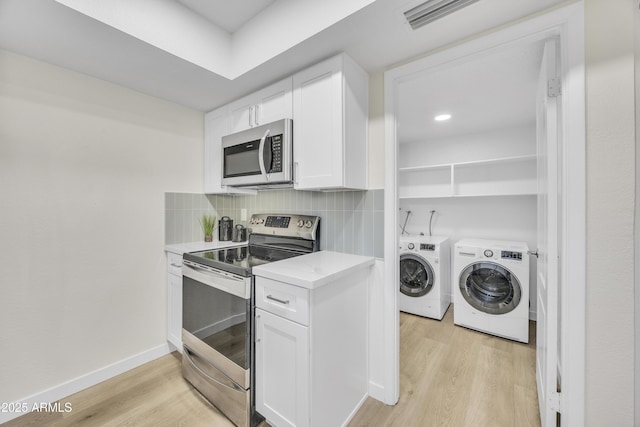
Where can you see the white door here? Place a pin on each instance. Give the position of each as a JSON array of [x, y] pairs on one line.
[[547, 348], [282, 370], [241, 114], [317, 127], [216, 125], [274, 102]]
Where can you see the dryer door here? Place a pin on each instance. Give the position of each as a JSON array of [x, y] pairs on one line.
[[416, 275], [490, 287]]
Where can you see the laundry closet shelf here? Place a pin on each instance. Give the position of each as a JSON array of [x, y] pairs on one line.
[[505, 176], [466, 196], [498, 160]]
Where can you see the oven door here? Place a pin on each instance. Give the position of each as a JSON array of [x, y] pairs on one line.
[[216, 320], [258, 156]]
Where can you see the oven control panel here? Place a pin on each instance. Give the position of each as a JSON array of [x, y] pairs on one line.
[[277, 221], [304, 226]]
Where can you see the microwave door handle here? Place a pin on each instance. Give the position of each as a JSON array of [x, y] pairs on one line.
[[261, 154]]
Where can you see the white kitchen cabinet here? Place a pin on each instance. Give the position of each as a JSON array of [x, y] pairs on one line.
[[217, 125], [267, 105], [282, 358], [311, 339], [330, 115], [174, 300]]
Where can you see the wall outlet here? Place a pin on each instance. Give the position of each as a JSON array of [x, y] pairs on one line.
[[243, 214]]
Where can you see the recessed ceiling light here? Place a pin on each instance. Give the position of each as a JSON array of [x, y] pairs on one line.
[[442, 117]]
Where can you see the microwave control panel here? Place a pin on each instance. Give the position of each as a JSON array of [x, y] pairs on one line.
[[276, 154]]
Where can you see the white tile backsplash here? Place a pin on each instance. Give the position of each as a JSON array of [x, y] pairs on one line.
[[351, 221]]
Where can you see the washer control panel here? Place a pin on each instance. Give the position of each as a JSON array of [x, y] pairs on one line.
[[516, 256], [418, 246]]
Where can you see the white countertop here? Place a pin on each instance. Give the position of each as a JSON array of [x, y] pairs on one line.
[[313, 270], [181, 248]]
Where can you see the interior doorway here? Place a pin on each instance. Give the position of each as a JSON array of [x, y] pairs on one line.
[[564, 25]]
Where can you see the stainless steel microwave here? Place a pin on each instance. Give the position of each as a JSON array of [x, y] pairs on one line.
[[259, 157]]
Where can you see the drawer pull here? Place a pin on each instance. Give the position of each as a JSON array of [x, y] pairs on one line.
[[271, 297]]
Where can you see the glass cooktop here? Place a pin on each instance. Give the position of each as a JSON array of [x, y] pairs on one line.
[[240, 260]]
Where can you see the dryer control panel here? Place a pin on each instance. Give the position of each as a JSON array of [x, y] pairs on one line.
[[427, 247], [517, 256]]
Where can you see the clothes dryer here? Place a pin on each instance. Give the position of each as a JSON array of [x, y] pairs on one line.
[[425, 286], [491, 290]]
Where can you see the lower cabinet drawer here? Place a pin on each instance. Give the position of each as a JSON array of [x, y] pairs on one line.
[[174, 263], [285, 300]]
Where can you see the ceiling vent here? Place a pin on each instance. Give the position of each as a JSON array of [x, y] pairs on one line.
[[433, 9]]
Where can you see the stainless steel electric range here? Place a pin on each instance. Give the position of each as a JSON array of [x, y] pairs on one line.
[[218, 308]]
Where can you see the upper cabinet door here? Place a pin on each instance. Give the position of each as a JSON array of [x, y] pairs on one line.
[[216, 125], [330, 116], [274, 102], [241, 114], [266, 105], [317, 125]]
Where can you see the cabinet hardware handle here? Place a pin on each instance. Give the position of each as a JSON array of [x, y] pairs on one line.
[[255, 114], [271, 297]]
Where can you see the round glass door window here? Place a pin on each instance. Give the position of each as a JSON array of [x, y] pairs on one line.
[[416, 275], [490, 288]]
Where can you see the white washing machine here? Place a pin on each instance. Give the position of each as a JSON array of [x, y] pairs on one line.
[[491, 287], [425, 285]]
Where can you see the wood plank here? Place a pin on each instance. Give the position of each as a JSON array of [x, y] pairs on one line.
[[453, 376], [449, 376]]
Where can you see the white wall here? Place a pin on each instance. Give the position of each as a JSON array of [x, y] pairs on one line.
[[610, 212], [84, 165], [376, 130]]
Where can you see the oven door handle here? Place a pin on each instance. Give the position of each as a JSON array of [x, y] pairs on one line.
[[263, 169], [223, 382], [226, 282]]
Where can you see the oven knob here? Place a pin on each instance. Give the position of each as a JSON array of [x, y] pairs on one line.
[[260, 220], [411, 246], [300, 223], [308, 224], [488, 253]]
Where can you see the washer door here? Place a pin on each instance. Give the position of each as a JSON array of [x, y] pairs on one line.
[[490, 287], [416, 275]]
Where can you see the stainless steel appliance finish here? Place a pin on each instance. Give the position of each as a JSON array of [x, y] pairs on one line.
[[240, 233], [225, 229], [260, 157], [218, 308]]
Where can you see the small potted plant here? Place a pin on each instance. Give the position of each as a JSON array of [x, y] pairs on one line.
[[208, 223]]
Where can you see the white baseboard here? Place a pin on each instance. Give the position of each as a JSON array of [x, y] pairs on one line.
[[75, 385], [355, 410], [376, 391]]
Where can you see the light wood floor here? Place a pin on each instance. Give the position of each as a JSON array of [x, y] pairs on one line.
[[450, 376]]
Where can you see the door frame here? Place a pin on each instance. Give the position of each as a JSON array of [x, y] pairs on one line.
[[567, 24]]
